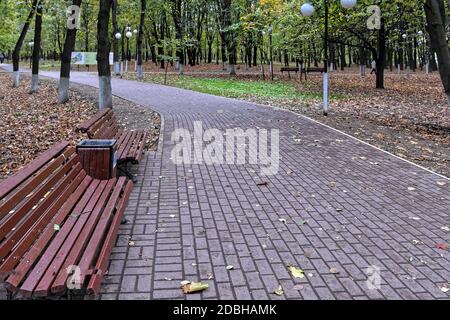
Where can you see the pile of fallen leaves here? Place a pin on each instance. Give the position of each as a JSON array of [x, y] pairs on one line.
[[32, 123]]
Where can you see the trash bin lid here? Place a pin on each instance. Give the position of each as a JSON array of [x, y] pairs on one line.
[[95, 143]]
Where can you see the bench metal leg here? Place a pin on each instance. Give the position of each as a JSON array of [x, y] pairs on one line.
[[127, 172]]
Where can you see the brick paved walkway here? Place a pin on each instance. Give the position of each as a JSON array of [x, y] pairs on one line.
[[363, 208]]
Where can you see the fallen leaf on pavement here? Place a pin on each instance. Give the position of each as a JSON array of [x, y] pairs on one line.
[[334, 271], [442, 246], [298, 287], [279, 291], [282, 220], [296, 272], [445, 228], [445, 289], [230, 267], [263, 183], [441, 183], [194, 287]]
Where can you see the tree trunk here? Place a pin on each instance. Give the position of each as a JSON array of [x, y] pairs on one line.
[[381, 55], [435, 14], [103, 48], [37, 48], [140, 74], [176, 15], [19, 43], [115, 41], [69, 44]]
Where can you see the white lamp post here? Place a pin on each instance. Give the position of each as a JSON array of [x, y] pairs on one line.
[[307, 10], [128, 34]]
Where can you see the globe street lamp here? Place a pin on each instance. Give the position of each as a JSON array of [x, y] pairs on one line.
[[117, 64], [135, 32], [307, 10]]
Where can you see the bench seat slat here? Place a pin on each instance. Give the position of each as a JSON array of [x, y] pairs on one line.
[[91, 243], [36, 273], [84, 190], [103, 259], [75, 242]]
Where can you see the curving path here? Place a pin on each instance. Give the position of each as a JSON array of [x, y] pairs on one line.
[[336, 207]]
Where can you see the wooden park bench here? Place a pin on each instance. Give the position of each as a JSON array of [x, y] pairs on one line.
[[58, 225], [305, 71], [289, 70], [130, 143]]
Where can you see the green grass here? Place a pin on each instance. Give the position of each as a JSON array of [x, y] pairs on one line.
[[234, 88]]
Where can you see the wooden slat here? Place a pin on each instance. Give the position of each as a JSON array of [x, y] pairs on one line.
[[84, 206], [31, 221], [99, 124], [110, 240], [124, 146], [33, 233], [29, 186], [74, 243], [33, 200], [134, 145], [78, 199], [140, 151], [12, 182], [89, 241], [84, 127]]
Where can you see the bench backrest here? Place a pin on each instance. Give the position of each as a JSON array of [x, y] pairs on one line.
[[30, 199], [314, 70], [103, 125]]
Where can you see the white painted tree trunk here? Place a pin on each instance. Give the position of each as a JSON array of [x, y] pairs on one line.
[[105, 92], [325, 93], [448, 101], [362, 70], [232, 69], [180, 69], [34, 83], [63, 90], [117, 68], [16, 79], [140, 72]]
